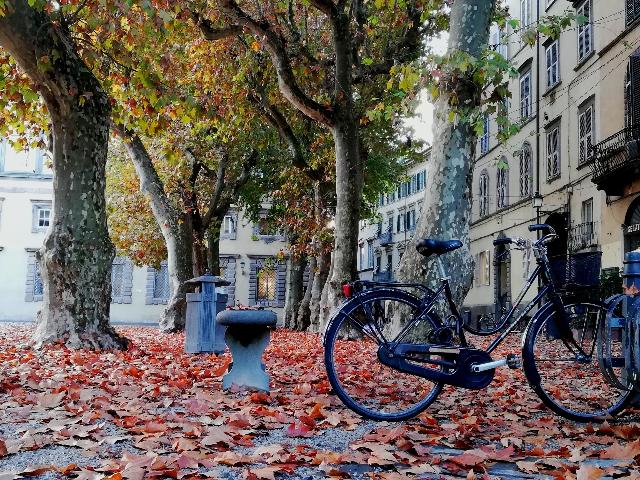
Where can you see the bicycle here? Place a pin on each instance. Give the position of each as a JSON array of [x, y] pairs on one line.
[[388, 353]]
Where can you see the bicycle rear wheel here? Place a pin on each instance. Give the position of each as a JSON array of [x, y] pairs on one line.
[[359, 379], [571, 386]]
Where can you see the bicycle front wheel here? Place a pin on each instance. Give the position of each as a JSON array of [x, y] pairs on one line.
[[569, 383], [359, 379]]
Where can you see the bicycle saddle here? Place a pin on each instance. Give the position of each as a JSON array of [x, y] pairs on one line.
[[429, 246]]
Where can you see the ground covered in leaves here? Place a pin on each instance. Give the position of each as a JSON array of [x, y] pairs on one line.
[[155, 412]]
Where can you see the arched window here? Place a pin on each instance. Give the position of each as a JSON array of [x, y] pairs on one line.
[[484, 194], [502, 183], [525, 171]]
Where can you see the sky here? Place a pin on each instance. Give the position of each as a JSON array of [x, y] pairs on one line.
[[423, 120]]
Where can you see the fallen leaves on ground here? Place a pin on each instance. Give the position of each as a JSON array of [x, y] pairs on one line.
[[155, 412]]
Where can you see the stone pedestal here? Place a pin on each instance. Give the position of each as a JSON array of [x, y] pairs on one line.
[[248, 334]]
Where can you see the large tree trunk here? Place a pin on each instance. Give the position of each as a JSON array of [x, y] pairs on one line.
[[78, 253], [295, 289], [349, 180], [447, 208], [320, 284], [176, 229], [213, 245], [303, 316]]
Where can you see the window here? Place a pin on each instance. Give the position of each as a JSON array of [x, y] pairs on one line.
[[483, 268], [587, 229], [632, 11], [42, 216], [483, 194], [161, 289], [400, 222], [525, 13], [369, 253], [229, 225], [525, 95], [266, 284], [34, 287], [502, 184], [525, 171], [410, 219], [503, 115], [484, 139], [121, 280], [628, 98], [498, 43], [389, 262], [390, 224], [585, 132], [553, 64], [28, 161], [553, 153], [228, 272], [585, 31]]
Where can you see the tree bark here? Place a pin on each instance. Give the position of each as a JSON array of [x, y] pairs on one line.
[[77, 255], [325, 266], [303, 316], [447, 206], [295, 289], [213, 245], [176, 229]]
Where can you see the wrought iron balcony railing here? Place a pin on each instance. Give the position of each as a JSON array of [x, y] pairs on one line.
[[614, 159], [385, 238], [583, 235]]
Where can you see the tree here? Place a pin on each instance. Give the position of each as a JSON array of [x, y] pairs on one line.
[[77, 254], [329, 58], [447, 207]]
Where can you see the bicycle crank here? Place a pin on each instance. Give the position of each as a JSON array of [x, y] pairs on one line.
[[456, 363]]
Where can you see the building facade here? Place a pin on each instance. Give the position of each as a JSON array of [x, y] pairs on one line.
[[381, 242], [250, 257], [575, 162]]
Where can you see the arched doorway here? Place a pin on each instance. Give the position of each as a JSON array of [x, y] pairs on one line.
[[502, 277], [632, 226], [559, 222]]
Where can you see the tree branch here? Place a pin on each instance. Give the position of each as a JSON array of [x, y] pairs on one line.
[[409, 46], [211, 33], [281, 61]]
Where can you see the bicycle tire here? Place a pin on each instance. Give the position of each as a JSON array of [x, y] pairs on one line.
[[363, 373], [565, 390]]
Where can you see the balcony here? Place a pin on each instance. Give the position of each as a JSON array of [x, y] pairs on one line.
[[383, 276], [385, 238], [615, 161], [583, 236]]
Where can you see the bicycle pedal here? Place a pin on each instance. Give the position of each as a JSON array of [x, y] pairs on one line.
[[513, 361]]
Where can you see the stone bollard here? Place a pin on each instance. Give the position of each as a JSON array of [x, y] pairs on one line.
[[248, 333], [201, 333]]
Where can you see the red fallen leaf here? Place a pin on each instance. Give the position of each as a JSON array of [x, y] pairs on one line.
[[619, 452], [3, 449], [470, 458], [218, 372], [265, 473], [185, 461], [317, 412], [301, 430], [589, 472], [68, 469], [37, 471], [259, 397], [310, 422], [154, 427], [181, 383]]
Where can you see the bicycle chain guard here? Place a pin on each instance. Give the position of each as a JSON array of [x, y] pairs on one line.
[[460, 375]]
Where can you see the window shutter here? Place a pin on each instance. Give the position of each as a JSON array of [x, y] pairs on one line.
[[635, 89], [476, 269], [487, 267]]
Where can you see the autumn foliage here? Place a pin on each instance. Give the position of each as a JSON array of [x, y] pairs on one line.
[[154, 412]]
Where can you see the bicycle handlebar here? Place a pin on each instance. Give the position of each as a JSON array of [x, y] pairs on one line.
[[537, 227]]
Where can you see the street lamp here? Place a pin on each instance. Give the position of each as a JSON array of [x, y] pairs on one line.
[[537, 204]]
